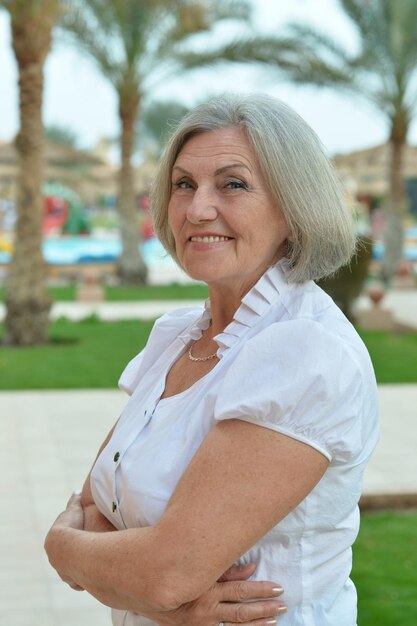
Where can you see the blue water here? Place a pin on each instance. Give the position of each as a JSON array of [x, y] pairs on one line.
[[68, 250], [409, 252]]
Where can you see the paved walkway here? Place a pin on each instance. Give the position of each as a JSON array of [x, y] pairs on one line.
[[402, 303], [48, 441]]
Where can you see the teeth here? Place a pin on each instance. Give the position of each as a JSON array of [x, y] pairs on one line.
[[210, 239]]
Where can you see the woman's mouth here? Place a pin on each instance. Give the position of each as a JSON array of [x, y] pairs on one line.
[[210, 239]]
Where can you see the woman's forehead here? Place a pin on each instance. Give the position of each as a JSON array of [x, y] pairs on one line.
[[229, 144]]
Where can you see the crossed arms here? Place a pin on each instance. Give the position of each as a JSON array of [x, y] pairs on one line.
[[241, 482]]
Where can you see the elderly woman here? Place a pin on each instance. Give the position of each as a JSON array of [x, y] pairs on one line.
[[250, 423]]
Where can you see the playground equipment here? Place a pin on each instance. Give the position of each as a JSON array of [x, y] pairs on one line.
[[63, 211]]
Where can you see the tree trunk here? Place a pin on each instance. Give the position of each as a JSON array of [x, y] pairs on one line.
[[131, 267], [394, 227], [27, 299]]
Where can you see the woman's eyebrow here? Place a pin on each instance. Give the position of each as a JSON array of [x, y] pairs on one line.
[[220, 170], [181, 169], [233, 166]]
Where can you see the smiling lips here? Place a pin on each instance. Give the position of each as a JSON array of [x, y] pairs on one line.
[[210, 239]]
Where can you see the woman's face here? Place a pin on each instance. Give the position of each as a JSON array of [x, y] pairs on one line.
[[227, 226]]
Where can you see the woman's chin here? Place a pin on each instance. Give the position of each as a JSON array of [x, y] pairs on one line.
[[204, 273], [201, 276]]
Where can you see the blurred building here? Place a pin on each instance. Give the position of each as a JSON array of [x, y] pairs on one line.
[[86, 173], [365, 174], [89, 173], [144, 175]]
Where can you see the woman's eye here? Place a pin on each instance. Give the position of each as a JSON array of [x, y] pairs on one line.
[[236, 184], [182, 184]]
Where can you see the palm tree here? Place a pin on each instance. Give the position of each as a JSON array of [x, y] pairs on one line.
[[131, 41], [27, 299], [383, 71]]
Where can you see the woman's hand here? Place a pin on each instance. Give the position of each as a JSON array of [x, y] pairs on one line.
[[72, 517], [232, 600]]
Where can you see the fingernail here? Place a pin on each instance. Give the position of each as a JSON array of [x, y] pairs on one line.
[[281, 609], [276, 591], [77, 492], [271, 621], [245, 566]]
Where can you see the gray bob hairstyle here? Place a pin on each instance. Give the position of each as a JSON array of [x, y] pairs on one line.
[[296, 170]]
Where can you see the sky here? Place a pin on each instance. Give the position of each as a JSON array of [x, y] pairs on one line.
[[79, 98]]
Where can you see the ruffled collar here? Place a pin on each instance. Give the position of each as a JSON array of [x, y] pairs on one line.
[[254, 305]]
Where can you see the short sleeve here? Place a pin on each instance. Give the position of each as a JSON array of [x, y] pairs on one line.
[[165, 330], [299, 380], [129, 376]]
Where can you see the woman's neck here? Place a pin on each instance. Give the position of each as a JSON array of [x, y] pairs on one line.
[[226, 298], [224, 302]]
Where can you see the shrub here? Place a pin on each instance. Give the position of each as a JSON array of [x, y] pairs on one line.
[[347, 284]]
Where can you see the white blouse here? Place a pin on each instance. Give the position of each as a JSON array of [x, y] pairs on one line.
[[291, 362]]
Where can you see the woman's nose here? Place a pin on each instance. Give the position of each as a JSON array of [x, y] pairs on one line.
[[202, 207]]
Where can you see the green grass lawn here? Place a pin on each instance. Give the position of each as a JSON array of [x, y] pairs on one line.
[[158, 292], [394, 356], [89, 354], [148, 292], [385, 569], [92, 354]]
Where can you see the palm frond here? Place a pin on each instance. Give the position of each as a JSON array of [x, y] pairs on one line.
[[32, 8], [91, 25], [137, 24], [192, 17], [316, 41], [242, 50], [127, 37]]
